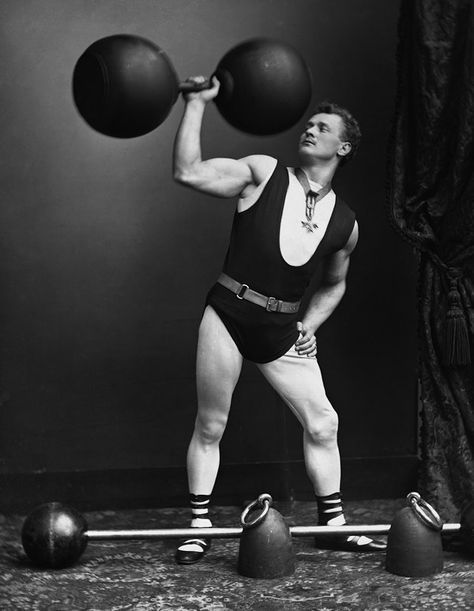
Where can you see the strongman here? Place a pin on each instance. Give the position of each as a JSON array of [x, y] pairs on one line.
[[288, 222]]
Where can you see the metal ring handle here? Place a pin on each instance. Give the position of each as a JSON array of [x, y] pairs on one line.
[[423, 510], [264, 501]]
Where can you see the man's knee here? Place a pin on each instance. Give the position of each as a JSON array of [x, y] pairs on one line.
[[322, 428], [210, 430]]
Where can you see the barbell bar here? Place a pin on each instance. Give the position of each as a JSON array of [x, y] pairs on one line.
[[236, 532]]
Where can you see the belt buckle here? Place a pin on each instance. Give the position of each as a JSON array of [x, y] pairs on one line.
[[273, 305], [241, 292]]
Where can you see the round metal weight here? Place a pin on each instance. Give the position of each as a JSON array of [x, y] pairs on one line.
[[266, 86], [124, 86], [54, 536]]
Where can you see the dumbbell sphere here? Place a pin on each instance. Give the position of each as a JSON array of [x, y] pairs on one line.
[[53, 535], [124, 86], [265, 86]]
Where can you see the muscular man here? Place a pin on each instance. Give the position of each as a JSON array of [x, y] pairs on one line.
[[287, 223]]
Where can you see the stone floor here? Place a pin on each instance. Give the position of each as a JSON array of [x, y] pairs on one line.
[[142, 575]]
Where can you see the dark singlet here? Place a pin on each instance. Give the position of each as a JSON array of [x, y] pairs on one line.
[[254, 258]]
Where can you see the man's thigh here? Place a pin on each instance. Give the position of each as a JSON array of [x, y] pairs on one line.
[[219, 362], [298, 380]]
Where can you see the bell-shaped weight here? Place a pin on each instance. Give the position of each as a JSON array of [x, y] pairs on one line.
[[266, 548], [414, 545]]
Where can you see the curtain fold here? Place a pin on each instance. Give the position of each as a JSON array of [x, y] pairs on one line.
[[431, 204]]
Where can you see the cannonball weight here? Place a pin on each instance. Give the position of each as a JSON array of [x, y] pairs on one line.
[[125, 86], [53, 535], [265, 87]]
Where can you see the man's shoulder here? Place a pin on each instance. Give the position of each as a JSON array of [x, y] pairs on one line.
[[261, 166]]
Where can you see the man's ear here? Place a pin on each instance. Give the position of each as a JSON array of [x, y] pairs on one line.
[[344, 149]]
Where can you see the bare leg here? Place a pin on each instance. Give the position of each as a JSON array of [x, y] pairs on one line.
[[299, 382], [218, 368]]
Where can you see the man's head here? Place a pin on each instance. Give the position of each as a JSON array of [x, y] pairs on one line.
[[331, 131]]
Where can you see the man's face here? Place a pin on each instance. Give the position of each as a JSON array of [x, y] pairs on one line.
[[322, 137]]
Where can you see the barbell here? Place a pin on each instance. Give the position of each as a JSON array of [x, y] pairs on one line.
[[55, 535], [125, 86]]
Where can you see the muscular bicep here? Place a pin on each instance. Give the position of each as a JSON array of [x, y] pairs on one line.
[[224, 177], [220, 177], [336, 265]]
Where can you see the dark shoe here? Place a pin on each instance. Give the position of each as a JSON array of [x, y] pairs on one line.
[[350, 544], [191, 556]]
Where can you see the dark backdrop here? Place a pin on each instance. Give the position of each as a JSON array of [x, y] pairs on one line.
[[105, 263]]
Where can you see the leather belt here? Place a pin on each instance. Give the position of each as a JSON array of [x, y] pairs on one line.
[[271, 304]]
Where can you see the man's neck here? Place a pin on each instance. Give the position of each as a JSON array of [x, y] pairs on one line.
[[322, 174]]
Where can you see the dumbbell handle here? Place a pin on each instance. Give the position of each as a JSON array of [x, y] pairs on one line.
[[234, 533], [188, 86]]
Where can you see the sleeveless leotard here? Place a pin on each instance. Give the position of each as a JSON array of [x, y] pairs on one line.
[[254, 258]]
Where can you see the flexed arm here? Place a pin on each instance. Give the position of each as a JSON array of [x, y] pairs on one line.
[[220, 176]]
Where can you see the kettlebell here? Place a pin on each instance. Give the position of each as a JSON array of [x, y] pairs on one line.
[[414, 546], [266, 547]]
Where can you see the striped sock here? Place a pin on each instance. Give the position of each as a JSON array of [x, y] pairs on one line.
[[200, 510], [331, 513], [200, 519], [330, 510]]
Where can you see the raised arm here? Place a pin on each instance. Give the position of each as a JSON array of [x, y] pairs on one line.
[[330, 292], [221, 177]]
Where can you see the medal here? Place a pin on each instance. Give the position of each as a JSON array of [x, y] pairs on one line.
[[311, 198]]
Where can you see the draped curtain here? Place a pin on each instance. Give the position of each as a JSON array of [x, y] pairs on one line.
[[431, 204]]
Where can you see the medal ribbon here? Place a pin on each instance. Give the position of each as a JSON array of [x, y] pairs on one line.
[[311, 198]]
